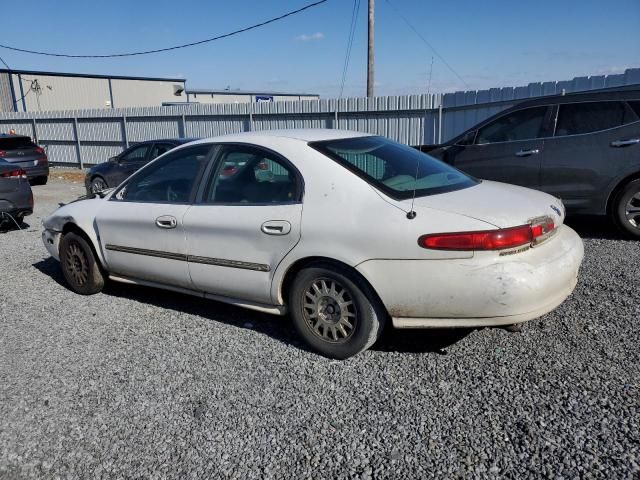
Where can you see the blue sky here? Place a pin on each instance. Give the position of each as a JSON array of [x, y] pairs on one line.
[[491, 43]]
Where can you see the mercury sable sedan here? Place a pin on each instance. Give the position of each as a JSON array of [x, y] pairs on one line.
[[343, 230]]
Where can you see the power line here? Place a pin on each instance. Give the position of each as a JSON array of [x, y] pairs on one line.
[[352, 31], [5, 63], [176, 47], [428, 44]]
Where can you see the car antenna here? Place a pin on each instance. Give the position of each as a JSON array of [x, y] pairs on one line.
[[411, 214]]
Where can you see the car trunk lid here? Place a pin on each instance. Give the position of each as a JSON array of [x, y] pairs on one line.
[[498, 204], [20, 151]]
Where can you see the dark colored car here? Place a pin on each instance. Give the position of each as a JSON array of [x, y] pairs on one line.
[[16, 198], [114, 171], [583, 148], [22, 152]]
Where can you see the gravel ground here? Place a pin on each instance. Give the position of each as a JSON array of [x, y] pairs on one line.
[[135, 382]]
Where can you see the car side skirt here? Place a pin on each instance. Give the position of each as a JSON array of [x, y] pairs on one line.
[[238, 302]]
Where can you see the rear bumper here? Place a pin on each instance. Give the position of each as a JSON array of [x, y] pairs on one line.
[[481, 291], [37, 171]]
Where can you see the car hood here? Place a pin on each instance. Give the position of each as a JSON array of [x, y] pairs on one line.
[[499, 204]]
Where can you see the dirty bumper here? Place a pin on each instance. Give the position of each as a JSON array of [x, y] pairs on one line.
[[485, 290]]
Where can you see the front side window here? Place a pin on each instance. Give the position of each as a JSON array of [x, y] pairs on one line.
[[171, 179], [252, 175], [136, 154], [587, 117], [524, 124], [394, 168]]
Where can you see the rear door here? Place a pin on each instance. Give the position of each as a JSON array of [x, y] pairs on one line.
[[595, 143], [247, 220], [20, 150], [509, 149]]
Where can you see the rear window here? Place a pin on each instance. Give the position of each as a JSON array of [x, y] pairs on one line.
[[14, 143], [577, 118], [394, 168]]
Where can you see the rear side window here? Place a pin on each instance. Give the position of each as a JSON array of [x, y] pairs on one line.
[[394, 168], [577, 118], [635, 106], [15, 143], [524, 124]]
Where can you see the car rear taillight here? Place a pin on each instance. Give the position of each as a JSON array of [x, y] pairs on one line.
[[489, 239], [3, 153], [39, 150], [17, 173]]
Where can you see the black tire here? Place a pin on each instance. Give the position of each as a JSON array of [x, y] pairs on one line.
[[326, 327], [97, 185], [626, 209], [39, 180], [79, 265]]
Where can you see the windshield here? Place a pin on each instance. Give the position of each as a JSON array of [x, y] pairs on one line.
[[394, 168]]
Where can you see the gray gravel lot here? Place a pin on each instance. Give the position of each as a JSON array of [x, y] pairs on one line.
[[135, 382]]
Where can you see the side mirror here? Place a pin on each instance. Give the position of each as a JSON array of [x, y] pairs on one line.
[[113, 160]]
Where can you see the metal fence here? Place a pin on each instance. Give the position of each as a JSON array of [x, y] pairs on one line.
[[82, 137]]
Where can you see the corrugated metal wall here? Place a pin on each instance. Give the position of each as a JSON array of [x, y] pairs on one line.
[[91, 136]]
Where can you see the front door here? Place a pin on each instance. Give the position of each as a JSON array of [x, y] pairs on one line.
[[509, 149], [248, 219], [141, 227]]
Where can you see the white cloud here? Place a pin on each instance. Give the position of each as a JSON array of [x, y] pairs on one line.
[[313, 36]]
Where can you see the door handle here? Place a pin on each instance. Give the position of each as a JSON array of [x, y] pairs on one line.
[[625, 143], [527, 153], [276, 227], [166, 221]]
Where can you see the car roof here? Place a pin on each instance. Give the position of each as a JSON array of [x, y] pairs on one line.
[[618, 93], [303, 134], [13, 135], [177, 141]]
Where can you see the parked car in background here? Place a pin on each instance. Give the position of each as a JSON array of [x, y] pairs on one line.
[[583, 148], [16, 198], [114, 171], [22, 152], [344, 230]]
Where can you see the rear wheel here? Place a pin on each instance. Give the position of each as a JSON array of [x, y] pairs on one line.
[[79, 265], [98, 184], [626, 208], [335, 312]]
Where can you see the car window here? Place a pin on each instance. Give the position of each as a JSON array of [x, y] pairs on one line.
[[635, 106], [159, 149], [252, 175], [523, 124], [394, 168], [171, 179], [136, 154], [14, 143], [577, 118]]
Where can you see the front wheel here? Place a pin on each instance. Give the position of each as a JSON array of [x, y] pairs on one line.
[[626, 208], [79, 265], [335, 311], [97, 185]]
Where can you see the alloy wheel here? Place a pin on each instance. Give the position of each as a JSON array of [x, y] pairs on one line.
[[329, 310], [77, 264], [98, 185], [632, 210]]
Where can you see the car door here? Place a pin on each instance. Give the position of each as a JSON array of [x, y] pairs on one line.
[[141, 226], [129, 162], [247, 220], [594, 144], [509, 149]]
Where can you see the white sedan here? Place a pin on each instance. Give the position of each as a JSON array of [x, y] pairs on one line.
[[343, 230]]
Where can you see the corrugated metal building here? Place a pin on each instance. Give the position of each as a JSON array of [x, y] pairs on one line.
[[244, 96], [33, 91]]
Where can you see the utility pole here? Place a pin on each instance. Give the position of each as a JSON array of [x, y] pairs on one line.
[[370, 53]]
